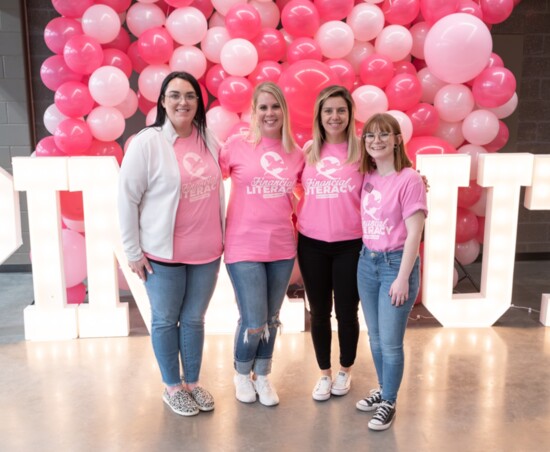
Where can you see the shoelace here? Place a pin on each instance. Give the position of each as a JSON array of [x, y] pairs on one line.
[[374, 397], [321, 382], [382, 412]]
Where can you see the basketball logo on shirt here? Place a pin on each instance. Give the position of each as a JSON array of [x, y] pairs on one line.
[[328, 166], [273, 164], [194, 165]]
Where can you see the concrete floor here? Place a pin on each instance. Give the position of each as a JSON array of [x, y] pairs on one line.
[[463, 389]]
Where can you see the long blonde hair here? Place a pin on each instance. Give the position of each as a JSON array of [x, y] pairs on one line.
[[313, 152], [286, 133]]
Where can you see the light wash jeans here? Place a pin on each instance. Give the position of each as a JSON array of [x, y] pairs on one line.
[[179, 297], [386, 322], [260, 289]]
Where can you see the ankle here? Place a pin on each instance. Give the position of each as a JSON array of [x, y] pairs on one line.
[[171, 390]]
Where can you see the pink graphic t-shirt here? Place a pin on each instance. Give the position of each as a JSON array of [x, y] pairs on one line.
[[329, 209], [386, 202], [263, 176], [198, 230]]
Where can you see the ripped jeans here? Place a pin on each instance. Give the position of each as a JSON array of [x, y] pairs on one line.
[[260, 288]]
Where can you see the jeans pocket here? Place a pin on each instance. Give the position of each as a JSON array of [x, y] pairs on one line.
[[394, 262]]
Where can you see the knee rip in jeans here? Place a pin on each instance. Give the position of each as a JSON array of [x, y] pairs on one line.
[[263, 330]]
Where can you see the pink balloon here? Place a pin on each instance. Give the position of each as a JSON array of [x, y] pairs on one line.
[[470, 7], [494, 87], [369, 100], [121, 42], [101, 22], [129, 105], [241, 128], [142, 16], [301, 82], [106, 123], [419, 31], [300, 18], [430, 85], [266, 71], [450, 132], [204, 6], [151, 116], [214, 76], [468, 196], [144, 104], [70, 8], [480, 127], [220, 121], [54, 72], [120, 6], [506, 109], [235, 94], [343, 71], [138, 63], [366, 21], [404, 67], [467, 252], [83, 54], [403, 92], [71, 205], [394, 41], [405, 124], [333, 9], [434, 10], [480, 236], [58, 31], [46, 147], [189, 59], [496, 11], [52, 118], [424, 119], [427, 145], [106, 149], [473, 151], [187, 25], [239, 57], [73, 99], [303, 49], [466, 225], [480, 207], [458, 48], [213, 41], [454, 102], [118, 59], [500, 140], [150, 81], [178, 3], [73, 136], [335, 39], [108, 86], [400, 12], [155, 45], [74, 257], [76, 294], [243, 21], [360, 51], [270, 45]]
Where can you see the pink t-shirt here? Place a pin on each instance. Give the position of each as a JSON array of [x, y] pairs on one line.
[[330, 206], [385, 204], [263, 176], [198, 230]]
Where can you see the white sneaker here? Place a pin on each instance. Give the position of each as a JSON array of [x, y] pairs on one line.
[[244, 389], [341, 384], [266, 392], [322, 388]]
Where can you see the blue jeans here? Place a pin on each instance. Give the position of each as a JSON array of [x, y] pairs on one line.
[[260, 288], [179, 297], [386, 322]]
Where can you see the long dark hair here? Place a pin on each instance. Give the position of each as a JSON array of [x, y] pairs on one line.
[[200, 116]]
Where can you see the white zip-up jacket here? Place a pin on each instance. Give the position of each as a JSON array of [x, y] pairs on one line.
[[149, 192]]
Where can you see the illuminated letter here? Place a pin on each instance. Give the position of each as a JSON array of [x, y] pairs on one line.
[[10, 227]]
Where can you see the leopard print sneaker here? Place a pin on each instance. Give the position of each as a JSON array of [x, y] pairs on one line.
[[203, 398], [181, 403]]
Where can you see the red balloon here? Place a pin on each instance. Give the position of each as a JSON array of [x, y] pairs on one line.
[[138, 63], [301, 82], [235, 94], [105, 149], [480, 235], [400, 12], [266, 71], [73, 99], [300, 18], [54, 72], [83, 54], [73, 136], [243, 21], [343, 71], [466, 225], [121, 42], [71, 204], [496, 11], [270, 45], [403, 92], [213, 78], [468, 196], [70, 8], [144, 104], [500, 140], [333, 9], [303, 49], [59, 31], [424, 118], [155, 45], [427, 145], [46, 148], [118, 59], [493, 87], [377, 70]]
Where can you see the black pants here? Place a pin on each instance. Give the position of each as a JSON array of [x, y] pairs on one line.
[[329, 267]]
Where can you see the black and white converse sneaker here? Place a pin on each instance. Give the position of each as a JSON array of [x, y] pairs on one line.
[[383, 417], [370, 402]]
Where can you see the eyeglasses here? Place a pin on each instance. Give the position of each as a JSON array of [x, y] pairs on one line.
[[176, 97], [383, 136]]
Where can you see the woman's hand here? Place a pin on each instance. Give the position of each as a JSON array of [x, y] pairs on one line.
[[399, 291], [139, 267]]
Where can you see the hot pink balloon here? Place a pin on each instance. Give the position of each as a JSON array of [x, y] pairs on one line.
[[108, 86], [496, 11], [214, 76], [467, 252], [54, 72], [155, 45], [142, 16], [400, 12], [73, 99], [427, 145], [150, 81], [266, 71], [71, 205], [73, 136], [343, 71], [403, 92], [101, 22], [76, 294], [235, 94], [270, 45], [333, 9], [300, 18], [243, 21], [58, 31], [500, 140], [106, 149], [454, 102], [46, 147], [335, 39], [178, 3], [458, 48], [369, 100], [121, 42], [424, 119], [404, 67], [74, 257], [120, 6], [106, 123], [434, 10], [480, 236], [466, 225], [470, 7], [138, 63], [366, 21], [83, 54], [494, 87], [70, 8], [187, 25], [118, 59], [204, 6], [303, 49], [302, 82], [468, 196], [480, 127]]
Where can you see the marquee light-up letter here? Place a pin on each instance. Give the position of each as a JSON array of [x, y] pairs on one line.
[[10, 226]]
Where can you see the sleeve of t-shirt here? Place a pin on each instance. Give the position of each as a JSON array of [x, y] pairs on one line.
[[413, 196]]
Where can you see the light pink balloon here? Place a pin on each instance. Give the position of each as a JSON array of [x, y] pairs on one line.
[[129, 105], [239, 57], [151, 116], [366, 21], [223, 6], [220, 121], [467, 252], [187, 25], [419, 31], [270, 14], [473, 151], [216, 20], [108, 86], [507, 109], [74, 257], [189, 59], [150, 80], [454, 102], [106, 123], [430, 85], [405, 124], [480, 127], [458, 48], [101, 22], [358, 53], [450, 132], [213, 41], [335, 39], [394, 41], [52, 118], [480, 207], [141, 16], [369, 100]]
